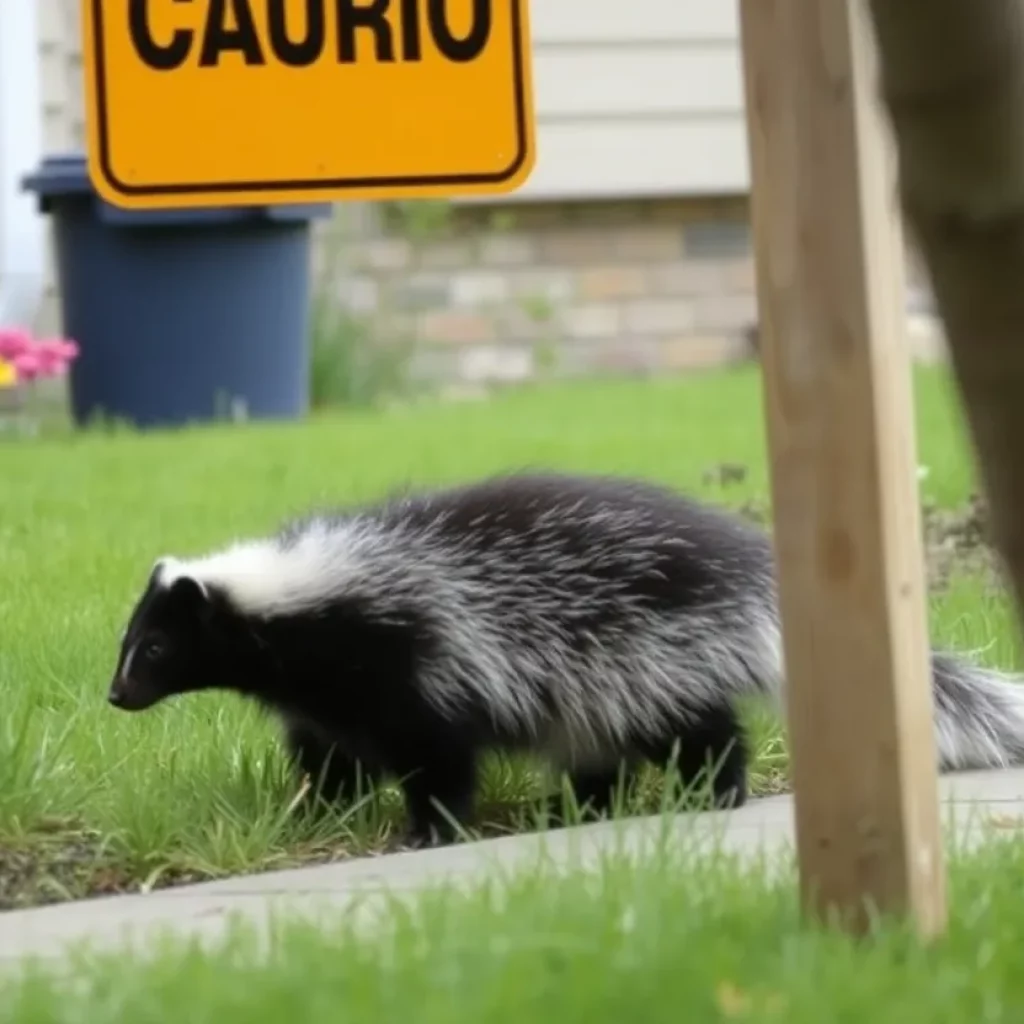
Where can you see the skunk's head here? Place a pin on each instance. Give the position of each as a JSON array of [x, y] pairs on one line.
[[170, 645]]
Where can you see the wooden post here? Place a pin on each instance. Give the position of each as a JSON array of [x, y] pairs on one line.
[[830, 278]]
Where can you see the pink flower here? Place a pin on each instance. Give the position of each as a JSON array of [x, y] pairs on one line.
[[59, 348], [32, 359], [27, 365], [14, 342], [54, 356]]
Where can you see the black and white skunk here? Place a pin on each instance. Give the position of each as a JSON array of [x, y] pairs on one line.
[[598, 622]]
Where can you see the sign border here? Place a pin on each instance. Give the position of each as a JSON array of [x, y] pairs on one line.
[[312, 184]]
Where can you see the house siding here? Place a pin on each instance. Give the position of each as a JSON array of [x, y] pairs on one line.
[[637, 100]]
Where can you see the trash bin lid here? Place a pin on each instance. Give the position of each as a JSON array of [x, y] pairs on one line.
[[67, 174], [62, 174]]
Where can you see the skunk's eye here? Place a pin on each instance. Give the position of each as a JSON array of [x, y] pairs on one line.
[[153, 650]]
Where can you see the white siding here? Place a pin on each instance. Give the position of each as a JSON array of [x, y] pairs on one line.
[[62, 103], [60, 68], [637, 98], [644, 21]]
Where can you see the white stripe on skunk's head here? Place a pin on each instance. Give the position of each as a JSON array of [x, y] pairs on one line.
[[265, 577], [169, 569]]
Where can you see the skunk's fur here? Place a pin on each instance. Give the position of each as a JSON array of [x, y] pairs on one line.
[[598, 622]]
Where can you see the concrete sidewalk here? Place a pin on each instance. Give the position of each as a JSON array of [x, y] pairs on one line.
[[972, 802]]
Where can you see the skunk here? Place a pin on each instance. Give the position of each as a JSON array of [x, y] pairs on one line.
[[599, 622]]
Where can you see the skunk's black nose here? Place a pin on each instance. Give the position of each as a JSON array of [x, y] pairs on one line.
[[116, 697]]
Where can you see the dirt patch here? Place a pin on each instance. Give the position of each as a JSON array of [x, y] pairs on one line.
[[724, 473], [50, 870], [43, 869], [756, 512], [956, 541]]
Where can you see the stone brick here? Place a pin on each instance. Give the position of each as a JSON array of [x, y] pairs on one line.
[[596, 320], [688, 277], [554, 285], [358, 293], [359, 219], [613, 283], [740, 275], [503, 363], [722, 312], [449, 254], [507, 251], [717, 239], [529, 217], [627, 356], [455, 327], [619, 356], [386, 253], [659, 316], [647, 244], [475, 288], [574, 246], [606, 212], [702, 351], [516, 322], [701, 209], [421, 290]]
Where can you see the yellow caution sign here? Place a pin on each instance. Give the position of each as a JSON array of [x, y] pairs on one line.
[[239, 102]]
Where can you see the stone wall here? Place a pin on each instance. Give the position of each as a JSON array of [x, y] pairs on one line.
[[486, 296]]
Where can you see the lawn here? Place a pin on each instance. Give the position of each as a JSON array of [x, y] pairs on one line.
[[673, 938], [96, 801]]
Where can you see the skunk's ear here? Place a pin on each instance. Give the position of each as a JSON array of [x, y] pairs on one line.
[[191, 589], [192, 595], [187, 590]]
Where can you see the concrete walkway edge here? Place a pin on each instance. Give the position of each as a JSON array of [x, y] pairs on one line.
[[206, 911]]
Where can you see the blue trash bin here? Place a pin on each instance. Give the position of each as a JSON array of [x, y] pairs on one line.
[[181, 315]]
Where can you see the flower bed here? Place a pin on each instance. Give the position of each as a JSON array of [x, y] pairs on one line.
[[24, 361]]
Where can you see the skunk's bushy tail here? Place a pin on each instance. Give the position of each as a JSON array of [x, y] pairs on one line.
[[979, 715]]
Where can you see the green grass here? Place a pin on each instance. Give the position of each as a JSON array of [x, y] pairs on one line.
[[674, 936], [93, 800]]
